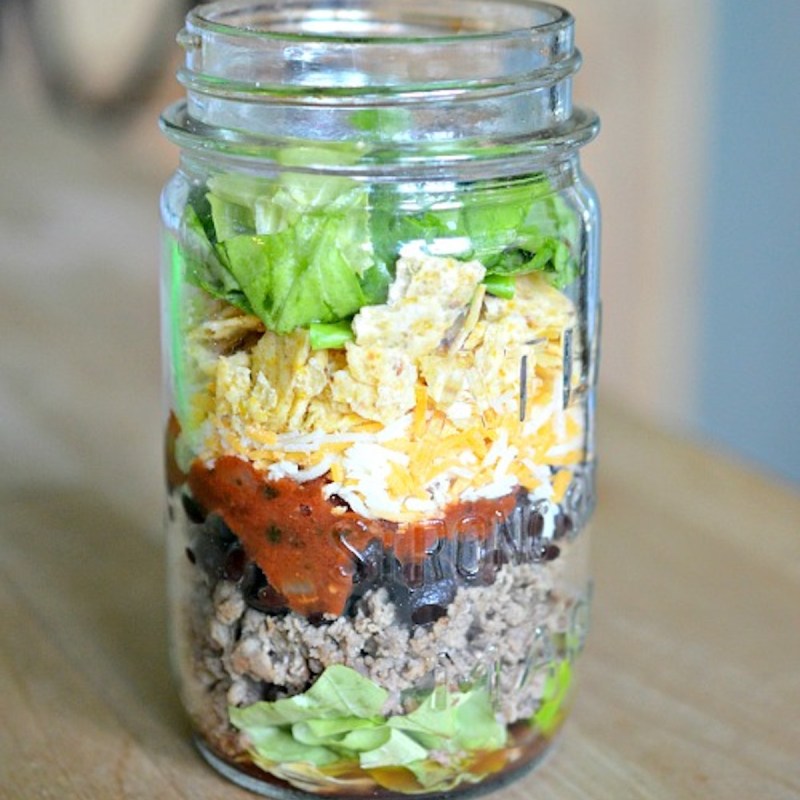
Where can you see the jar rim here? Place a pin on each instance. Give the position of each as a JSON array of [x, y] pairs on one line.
[[469, 81], [315, 17]]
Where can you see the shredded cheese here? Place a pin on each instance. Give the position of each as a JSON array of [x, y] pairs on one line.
[[420, 410], [561, 483], [337, 472]]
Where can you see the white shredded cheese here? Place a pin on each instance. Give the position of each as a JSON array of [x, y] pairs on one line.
[[491, 491], [459, 411], [503, 463], [283, 469], [317, 471], [499, 445]]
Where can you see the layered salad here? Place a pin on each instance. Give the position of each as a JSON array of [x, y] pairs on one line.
[[378, 476]]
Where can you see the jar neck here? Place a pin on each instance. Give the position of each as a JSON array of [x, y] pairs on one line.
[[374, 82]]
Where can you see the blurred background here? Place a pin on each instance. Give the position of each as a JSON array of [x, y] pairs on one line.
[[697, 167]]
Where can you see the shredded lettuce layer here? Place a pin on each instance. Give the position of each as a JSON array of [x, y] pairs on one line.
[[303, 249]]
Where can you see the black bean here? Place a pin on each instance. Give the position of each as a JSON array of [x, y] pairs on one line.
[[369, 564], [551, 552], [258, 593], [423, 591], [210, 545], [563, 525], [535, 524], [431, 601], [215, 528], [235, 563], [194, 511], [426, 614], [369, 567]]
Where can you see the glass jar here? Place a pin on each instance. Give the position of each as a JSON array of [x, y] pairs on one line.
[[381, 318]]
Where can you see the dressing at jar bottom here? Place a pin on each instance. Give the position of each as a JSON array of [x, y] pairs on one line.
[[526, 754]]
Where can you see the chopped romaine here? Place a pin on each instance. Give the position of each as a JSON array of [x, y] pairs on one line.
[[500, 286], [301, 275], [338, 692], [433, 721], [476, 725], [230, 218], [330, 336]]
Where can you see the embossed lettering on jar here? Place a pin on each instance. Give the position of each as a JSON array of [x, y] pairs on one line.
[[380, 333]]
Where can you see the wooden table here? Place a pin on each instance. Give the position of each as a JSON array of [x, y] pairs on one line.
[[691, 681]]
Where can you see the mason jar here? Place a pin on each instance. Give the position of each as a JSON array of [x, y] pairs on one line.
[[380, 296]]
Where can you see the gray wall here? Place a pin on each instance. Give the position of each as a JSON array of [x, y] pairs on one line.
[[750, 381]]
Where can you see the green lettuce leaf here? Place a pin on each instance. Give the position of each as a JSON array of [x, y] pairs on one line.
[[433, 723], [347, 736], [285, 712], [500, 285], [297, 277], [342, 691], [333, 335], [556, 689], [244, 203], [203, 266], [366, 738], [326, 731], [230, 219], [382, 123], [477, 727], [455, 721], [398, 750], [339, 692]]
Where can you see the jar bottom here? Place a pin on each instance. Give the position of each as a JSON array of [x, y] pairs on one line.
[[255, 780]]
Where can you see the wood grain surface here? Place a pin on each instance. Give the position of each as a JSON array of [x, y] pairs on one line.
[[690, 685]]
